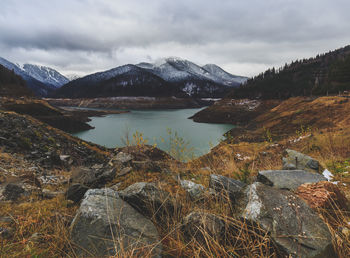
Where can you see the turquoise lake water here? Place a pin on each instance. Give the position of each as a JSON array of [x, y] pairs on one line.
[[171, 130]]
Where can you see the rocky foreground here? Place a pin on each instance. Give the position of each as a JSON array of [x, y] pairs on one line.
[[61, 196]]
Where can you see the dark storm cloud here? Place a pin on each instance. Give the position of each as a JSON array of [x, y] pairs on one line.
[[244, 36]]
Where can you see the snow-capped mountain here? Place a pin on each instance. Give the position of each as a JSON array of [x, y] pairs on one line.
[[167, 77], [225, 77], [176, 69], [38, 87], [45, 74], [42, 80]]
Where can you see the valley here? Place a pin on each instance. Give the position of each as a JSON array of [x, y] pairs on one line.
[[208, 166]]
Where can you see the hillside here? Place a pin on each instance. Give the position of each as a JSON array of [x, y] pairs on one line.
[[167, 78], [321, 75], [12, 85], [41, 80], [58, 193]]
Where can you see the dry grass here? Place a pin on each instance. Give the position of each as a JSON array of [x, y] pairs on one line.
[[47, 218]]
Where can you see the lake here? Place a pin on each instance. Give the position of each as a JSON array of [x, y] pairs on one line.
[[170, 130]]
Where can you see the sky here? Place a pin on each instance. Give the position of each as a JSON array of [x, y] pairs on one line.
[[245, 37]]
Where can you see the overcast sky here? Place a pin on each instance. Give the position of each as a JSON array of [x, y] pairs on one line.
[[244, 37]]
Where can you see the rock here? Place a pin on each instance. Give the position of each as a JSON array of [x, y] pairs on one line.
[[84, 176], [6, 233], [227, 185], [12, 192], [149, 200], [105, 225], [76, 192], [296, 160], [297, 230], [195, 191], [202, 226], [92, 177], [323, 195], [123, 157], [125, 171], [147, 165], [48, 194], [288, 179]]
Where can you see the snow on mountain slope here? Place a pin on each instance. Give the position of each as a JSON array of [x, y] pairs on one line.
[[176, 69], [45, 74], [225, 76], [39, 88]]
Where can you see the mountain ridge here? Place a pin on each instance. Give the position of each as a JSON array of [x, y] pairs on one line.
[[41, 83], [168, 77]]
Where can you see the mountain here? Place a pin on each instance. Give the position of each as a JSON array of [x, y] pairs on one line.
[[178, 70], [227, 78], [12, 85], [168, 77], [45, 74], [39, 87], [321, 75]]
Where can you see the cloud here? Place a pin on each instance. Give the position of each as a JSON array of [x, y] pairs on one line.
[[247, 36]]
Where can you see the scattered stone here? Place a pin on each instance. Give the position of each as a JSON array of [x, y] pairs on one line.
[[288, 179], [93, 178], [12, 192], [147, 165], [76, 192], [125, 171], [105, 225], [124, 157], [296, 160], [149, 200], [202, 226], [294, 226], [227, 185], [195, 191], [323, 195]]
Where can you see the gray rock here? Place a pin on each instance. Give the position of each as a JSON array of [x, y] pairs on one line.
[[297, 160], [12, 192], [195, 191], [48, 194], [123, 157], [149, 200], [76, 192], [125, 171], [105, 225], [93, 178], [293, 225], [202, 226], [221, 184], [288, 179]]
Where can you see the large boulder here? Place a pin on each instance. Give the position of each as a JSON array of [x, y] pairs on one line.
[[148, 199], [221, 184], [298, 161], [105, 225], [297, 230], [288, 179]]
